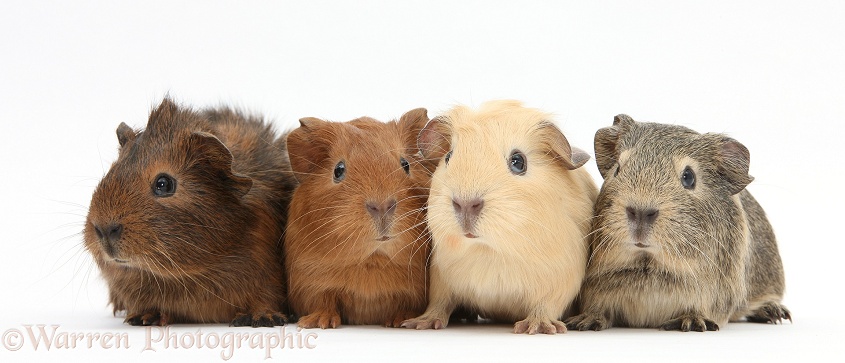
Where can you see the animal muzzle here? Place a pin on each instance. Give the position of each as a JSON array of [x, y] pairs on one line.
[[641, 221], [382, 213], [467, 212], [109, 237]]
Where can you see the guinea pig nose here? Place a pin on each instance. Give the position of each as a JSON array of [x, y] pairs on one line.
[[641, 216], [109, 235], [378, 210], [470, 207], [110, 232]]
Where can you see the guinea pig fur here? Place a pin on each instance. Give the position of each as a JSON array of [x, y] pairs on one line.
[[187, 225], [356, 238], [509, 210], [678, 243]]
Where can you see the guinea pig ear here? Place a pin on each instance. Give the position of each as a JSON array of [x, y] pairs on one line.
[[605, 143], [571, 158], [435, 138], [732, 162], [212, 151], [306, 149], [124, 134], [410, 124], [623, 120]]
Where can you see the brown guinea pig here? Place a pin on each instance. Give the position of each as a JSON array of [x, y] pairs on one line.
[[186, 226], [678, 243], [356, 242]]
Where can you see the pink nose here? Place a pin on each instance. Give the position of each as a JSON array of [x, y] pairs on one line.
[[383, 209]]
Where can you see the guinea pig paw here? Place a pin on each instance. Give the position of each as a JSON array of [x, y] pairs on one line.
[[533, 326], [400, 318], [423, 323], [147, 319], [770, 312], [690, 322], [320, 319], [259, 319], [588, 321]]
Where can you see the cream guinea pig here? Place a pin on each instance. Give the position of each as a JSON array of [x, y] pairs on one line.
[[508, 211]]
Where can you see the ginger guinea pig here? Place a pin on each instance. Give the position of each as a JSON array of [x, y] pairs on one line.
[[509, 210], [678, 242], [187, 225], [356, 238]]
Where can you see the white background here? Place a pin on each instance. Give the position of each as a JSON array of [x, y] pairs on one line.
[[767, 73]]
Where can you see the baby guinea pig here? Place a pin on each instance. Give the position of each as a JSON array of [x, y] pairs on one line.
[[678, 242], [509, 210], [356, 238], [187, 225]]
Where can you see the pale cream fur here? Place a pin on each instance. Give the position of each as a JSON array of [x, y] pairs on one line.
[[529, 259]]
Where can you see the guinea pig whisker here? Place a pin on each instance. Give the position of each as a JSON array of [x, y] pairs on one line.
[[204, 226], [411, 228], [193, 245], [195, 280], [418, 212], [313, 211], [153, 275], [320, 227], [349, 237]]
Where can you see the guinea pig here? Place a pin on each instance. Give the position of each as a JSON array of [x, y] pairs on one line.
[[509, 212], [356, 242], [187, 225], [678, 243]]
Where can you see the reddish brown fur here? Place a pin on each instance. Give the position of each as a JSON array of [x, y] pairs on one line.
[[211, 252], [337, 270]]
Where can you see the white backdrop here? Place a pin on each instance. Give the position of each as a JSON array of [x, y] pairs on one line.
[[767, 73]]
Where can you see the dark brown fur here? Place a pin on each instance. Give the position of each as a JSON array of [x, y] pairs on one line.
[[710, 255], [211, 252], [338, 272]]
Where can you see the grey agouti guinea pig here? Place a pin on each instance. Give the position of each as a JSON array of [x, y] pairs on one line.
[[677, 243], [187, 225]]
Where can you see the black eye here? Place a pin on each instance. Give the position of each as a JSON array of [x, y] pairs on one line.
[[688, 178], [405, 165], [447, 157], [517, 163], [339, 171], [164, 185], [615, 173]]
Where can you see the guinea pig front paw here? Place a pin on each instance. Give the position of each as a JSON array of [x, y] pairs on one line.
[[400, 318], [425, 322], [770, 312], [259, 319], [533, 326], [588, 321], [147, 318], [687, 322], [320, 319]]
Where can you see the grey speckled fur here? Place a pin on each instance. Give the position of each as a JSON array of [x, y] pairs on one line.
[[707, 257]]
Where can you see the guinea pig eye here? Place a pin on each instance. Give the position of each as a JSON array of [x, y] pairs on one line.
[[517, 163], [164, 185], [688, 178], [615, 173], [339, 171], [447, 157], [405, 165]]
